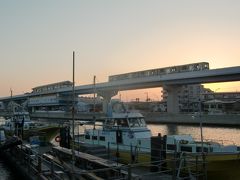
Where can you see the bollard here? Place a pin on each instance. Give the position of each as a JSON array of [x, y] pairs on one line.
[[156, 142]]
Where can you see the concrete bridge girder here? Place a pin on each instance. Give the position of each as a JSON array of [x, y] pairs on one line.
[[107, 95]]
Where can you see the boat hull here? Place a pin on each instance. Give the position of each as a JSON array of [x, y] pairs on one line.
[[46, 134], [225, 166], [221, 166]]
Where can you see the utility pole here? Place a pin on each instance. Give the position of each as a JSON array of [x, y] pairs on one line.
[[73, 116], [94, 100]]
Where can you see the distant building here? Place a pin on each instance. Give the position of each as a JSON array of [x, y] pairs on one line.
[[222, 102], [87, 104], [189, 97], [147, 106]]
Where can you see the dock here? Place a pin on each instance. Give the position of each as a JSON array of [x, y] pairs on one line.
[[45, 163]]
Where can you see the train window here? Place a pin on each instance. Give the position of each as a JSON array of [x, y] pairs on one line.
[[184, 68], [190, 68]]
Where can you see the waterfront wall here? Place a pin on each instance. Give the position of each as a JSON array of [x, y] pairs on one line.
[[65, 115], [166, 118], [152, 117]]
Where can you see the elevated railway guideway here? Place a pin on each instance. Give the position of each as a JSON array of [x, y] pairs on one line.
[[171, 78]]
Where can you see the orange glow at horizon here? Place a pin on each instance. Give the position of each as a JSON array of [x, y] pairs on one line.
[[224, 87]]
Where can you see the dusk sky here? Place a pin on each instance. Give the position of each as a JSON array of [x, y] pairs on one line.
[[111, 37]]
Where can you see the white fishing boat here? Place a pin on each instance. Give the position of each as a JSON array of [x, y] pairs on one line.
[[126, 135], [127, 130]]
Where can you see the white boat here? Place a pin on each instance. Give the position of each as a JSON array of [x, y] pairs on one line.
[[126, 135], [124, 131]]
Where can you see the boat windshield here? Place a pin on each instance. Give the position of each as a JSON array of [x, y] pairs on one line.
[[136, 122], [125, 122], [118, 122]]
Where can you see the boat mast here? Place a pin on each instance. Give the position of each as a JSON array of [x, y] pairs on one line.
[[94, 94], [73, 113], [94, 100]]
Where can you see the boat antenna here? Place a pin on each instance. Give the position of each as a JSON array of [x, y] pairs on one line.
[[73, 113]]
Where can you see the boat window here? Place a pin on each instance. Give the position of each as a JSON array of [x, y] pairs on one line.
[[142, 122], [171, 146], [122, 122], [94, 137], [211, 149], [133, 122], [25, 126], [87, 136], [136, 122], [109, 123], [186, 148], [199, 149], [102, 138]]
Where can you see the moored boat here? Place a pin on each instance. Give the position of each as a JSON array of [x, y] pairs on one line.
[[21, 125], [128, 137]]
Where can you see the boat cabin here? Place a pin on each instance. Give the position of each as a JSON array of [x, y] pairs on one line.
[[119, 121], [122, 130], [186, 143]]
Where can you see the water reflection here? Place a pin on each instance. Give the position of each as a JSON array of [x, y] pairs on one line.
[[172, 129], [224, 135]]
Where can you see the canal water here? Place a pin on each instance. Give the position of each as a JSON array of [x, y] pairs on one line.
[[6, 173], [224, 135]]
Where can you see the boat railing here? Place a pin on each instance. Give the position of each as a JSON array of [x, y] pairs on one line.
[[180, 166]]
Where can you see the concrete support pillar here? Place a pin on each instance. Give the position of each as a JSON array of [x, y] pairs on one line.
[[107, 95], [172, 98]]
